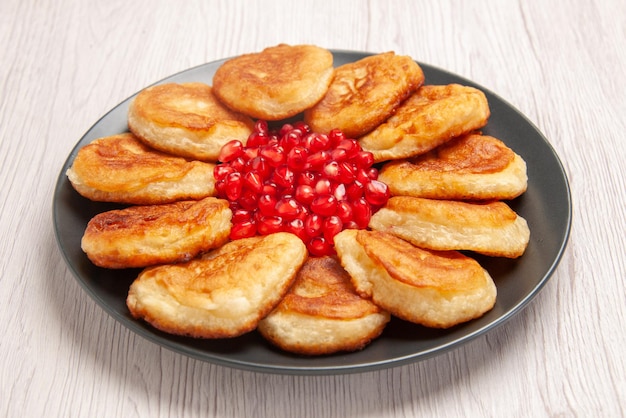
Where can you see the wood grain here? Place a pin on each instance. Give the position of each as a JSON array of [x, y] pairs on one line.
[[64, 64]]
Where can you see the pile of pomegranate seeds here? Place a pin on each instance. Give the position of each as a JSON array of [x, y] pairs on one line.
[[312, 185]]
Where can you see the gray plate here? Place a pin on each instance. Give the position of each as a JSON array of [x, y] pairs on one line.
[[546, 206]]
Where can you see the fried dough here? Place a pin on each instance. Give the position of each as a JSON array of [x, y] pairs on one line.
[[434, 289], [491, 228], [322, 313], [219, 295], [122, 169], [365, 93], [140, 236], [276, 83], [430, 117], [471, 167], [186, 120]]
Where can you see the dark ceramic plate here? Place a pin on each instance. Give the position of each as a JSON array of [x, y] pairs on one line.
[[546, 206]]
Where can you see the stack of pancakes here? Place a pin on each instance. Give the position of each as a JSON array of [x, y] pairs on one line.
[[448, 184]]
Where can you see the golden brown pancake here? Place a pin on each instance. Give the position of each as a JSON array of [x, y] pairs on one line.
[[276, 83], [429, 118], [219, 295], [491, 228], [471, 167], [122, 169], [186, 120], [140, 236], [434, 289], [322, 313], [365, 93]]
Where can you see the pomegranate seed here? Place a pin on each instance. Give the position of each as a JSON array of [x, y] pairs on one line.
[[283, 176], [234, 185], [291, 139], [257, 139], [346, 172], [238, 164], [285, 129], [287, 208], [331, 170], [261, 127], [270, 225], [305, 194], [313, 225], [332, 226], [274, 154], [335, 136], [230, 151], [249, 200], [355, 190], [364, 159], [243, 229], [308, 178], [351, 146], [339, 191], [253, 181], [319, 246], [297, 158], [221, 171], [361, 213], [270, 188], [302, 127], [325, 205], [296, 227], [376, 193], [317, 160], [241, 215], [323, 186], [266, 204], [339, 154], [344, 211]]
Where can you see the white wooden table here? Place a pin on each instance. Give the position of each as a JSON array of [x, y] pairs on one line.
[[63, 64]]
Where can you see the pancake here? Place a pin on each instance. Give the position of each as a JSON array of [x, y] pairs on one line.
[[140, 236], [487, 228], [276, 83], [322, 313], [434, 289], [365, 93], [219, 295], [122, 169], [430, 117], [186, 120], [471, 167]]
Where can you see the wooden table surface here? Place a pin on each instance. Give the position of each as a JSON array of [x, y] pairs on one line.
[[64, 64]]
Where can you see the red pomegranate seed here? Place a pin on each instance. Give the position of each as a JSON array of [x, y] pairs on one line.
[[344, 211], [336, 136], [296, 227], [241, 215], [325, 205], [339, 154], [297, 158], [302, 126], [361, 213], [285, 129], [257, 139], [313, 225], [331, 171], [287, 208], [291, 139], [273, 153], [376, 193], [347, 172], [305, 194], [260, 126], [283, 176], [266, 204], [339, 191], [307, 177], [249, 200], [332, 226], [243, 229], [319, 246], [221, 171], [230, 151], [253, 181], [323, 186], [270, 188], [355, 190], [233, 185], [317, 160], [269, 225], [364, 159]]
